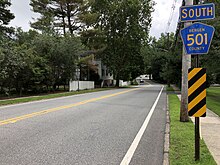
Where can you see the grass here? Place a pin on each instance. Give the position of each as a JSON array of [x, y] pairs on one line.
[[182, 139], [50, 96], [169, 88], [213, 99]]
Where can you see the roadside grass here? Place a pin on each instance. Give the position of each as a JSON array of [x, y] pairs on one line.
[[50, 96], [169, 88], [213, 99], [182, 139]]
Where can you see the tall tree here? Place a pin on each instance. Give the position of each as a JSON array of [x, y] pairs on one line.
[[33, 61], [45, 22], [125, 24], [5, 16], [61, 15], [60, 54], [16, 65]]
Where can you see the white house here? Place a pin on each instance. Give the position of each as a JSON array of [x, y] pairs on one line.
[[104, 73]]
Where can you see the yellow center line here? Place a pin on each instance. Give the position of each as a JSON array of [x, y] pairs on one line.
[[43, 112]]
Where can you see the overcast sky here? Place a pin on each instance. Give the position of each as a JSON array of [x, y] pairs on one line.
[[24, 15]]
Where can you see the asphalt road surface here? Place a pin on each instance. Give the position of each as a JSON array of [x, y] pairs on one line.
[[120, 126]]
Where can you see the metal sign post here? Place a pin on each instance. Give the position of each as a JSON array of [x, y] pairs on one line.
[[197, 139], [197, 134], [197, 100], [197, 39], [197, 125]]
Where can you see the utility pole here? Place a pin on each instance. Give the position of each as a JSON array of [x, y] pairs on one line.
[[186, 64]]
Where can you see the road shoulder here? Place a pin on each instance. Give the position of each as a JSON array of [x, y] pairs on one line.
[[167, 136], [210, 128]]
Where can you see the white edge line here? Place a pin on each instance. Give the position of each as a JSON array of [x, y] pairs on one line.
[[128, 156]]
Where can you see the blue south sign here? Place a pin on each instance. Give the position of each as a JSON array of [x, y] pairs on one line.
[[197, 12], [197, 38]]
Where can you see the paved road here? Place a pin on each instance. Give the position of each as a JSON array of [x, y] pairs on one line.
[[91, 129]]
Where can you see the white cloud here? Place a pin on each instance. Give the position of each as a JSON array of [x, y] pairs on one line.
[[23, 14]]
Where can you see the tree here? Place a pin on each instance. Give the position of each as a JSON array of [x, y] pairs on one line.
[[66, 54], [61, 15], [212, 59], [60, 54], [30, 61], [162, 60], [39, 67], [126, 26], [45, 22], [16, 66], [5, 16]]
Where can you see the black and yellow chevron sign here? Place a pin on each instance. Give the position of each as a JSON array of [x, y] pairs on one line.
[[197, 92]]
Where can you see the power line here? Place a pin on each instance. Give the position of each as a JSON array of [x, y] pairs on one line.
[[171, 15], [178, 29], [179, 25]]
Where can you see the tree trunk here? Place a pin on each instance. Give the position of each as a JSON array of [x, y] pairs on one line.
[[20, 91], [80, 73], [117, 83], [54, 87], [63, 20], [69, 18], [9, 90], [168, 83]]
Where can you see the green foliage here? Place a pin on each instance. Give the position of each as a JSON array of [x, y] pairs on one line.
[[5, 16], [212, 59], [62, 16], [33, 61], [16, 65], [45, 22], [125, 25], [60, 55], [162, 61], [114, 30]]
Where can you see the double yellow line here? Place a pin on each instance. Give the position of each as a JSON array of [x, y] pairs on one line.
[[23, 117]]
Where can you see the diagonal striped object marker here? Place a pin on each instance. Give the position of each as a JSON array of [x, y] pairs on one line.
[[197, 92]]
